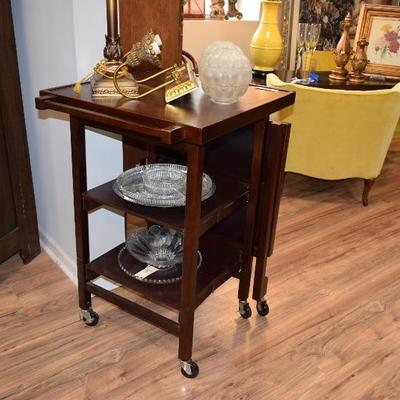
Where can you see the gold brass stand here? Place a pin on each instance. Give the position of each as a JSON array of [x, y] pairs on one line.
[[359, 61], [233, 12], [342, 52]]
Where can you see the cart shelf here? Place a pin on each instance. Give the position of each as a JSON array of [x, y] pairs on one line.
[[220, 262], [229, 196]]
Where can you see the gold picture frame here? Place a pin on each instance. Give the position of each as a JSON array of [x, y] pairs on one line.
[[380, 25]]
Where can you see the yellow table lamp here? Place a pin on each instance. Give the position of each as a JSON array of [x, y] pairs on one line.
[[266, 44]]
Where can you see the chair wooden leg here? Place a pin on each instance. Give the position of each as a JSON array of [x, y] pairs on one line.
[[368, 183]]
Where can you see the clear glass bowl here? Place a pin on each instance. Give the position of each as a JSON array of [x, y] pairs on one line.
[[156, 246], [164, 180], [130, 186]]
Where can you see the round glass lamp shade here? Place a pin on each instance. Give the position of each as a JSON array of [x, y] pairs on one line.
[[225, 72]]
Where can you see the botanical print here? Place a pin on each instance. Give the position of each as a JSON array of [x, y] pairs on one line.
[[384, 41], [328, 13]]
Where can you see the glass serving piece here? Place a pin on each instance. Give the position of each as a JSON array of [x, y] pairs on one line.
[[158, 185], [132, 267], [157, 246], [164, 181]]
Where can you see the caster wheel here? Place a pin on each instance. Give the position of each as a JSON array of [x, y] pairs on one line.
[[262, 308], [89, 317], [244, 309], [189, 369]]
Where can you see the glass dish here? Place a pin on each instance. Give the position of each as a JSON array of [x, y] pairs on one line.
[[131, 266], [130, 185], [164, 180], [157, 246]]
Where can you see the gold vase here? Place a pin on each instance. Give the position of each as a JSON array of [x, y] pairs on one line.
[[266, 44]]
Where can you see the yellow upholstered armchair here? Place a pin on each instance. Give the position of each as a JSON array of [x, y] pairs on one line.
[[339, 134]]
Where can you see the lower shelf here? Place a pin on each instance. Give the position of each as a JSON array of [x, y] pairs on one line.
[[220, 262]]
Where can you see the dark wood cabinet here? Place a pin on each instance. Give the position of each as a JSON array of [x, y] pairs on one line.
[[18, 223]]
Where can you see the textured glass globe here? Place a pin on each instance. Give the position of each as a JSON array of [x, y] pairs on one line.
[[225, 72]]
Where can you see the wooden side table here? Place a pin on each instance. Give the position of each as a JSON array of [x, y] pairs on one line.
[[189, 127]]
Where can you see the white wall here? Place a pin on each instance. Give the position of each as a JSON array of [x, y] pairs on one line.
[[46, 54], [55, 46], [103, 152], [198, 34]]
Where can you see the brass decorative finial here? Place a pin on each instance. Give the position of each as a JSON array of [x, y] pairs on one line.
[[233, 12], [359, 61], [217, 9], [342, 51]]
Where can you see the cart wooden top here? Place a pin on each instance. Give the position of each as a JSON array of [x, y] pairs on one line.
[[192, 119]]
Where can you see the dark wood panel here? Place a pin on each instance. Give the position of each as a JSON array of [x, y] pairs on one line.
[[9, 244], [8, 217], [201, 119], [164, 17], [325, 83], [14, 134], [137, 310]]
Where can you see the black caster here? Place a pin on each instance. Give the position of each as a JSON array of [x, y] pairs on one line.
[[189, 369], [89, 317], [244, 309], [262, 307]]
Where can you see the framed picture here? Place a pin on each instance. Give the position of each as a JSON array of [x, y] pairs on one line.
[[380, 25]]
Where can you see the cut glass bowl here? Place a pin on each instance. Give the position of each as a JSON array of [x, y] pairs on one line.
[[156, 246], [164, 180], [137, 185]]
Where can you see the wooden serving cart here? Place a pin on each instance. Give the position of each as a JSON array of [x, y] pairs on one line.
[[241, 151]]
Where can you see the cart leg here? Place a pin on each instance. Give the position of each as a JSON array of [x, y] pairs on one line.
[[260, 279], [78, 154], [261, 285], [256, 173], [276, 145], [195, 156]]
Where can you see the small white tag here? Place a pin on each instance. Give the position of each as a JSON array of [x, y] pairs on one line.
[[145, 272]]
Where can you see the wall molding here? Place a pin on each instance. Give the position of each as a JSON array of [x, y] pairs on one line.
[[66, 264], [57, 254]]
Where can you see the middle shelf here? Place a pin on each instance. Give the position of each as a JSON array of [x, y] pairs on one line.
[[229, 196]]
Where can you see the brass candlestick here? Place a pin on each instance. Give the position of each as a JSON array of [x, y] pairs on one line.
[[113, 50], [342, 52], [233, 12], [101, 78], [359, 61]]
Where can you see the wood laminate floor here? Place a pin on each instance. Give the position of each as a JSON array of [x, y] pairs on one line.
[[333, 331]]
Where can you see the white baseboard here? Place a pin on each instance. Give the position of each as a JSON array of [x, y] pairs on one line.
[[66, 264]]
